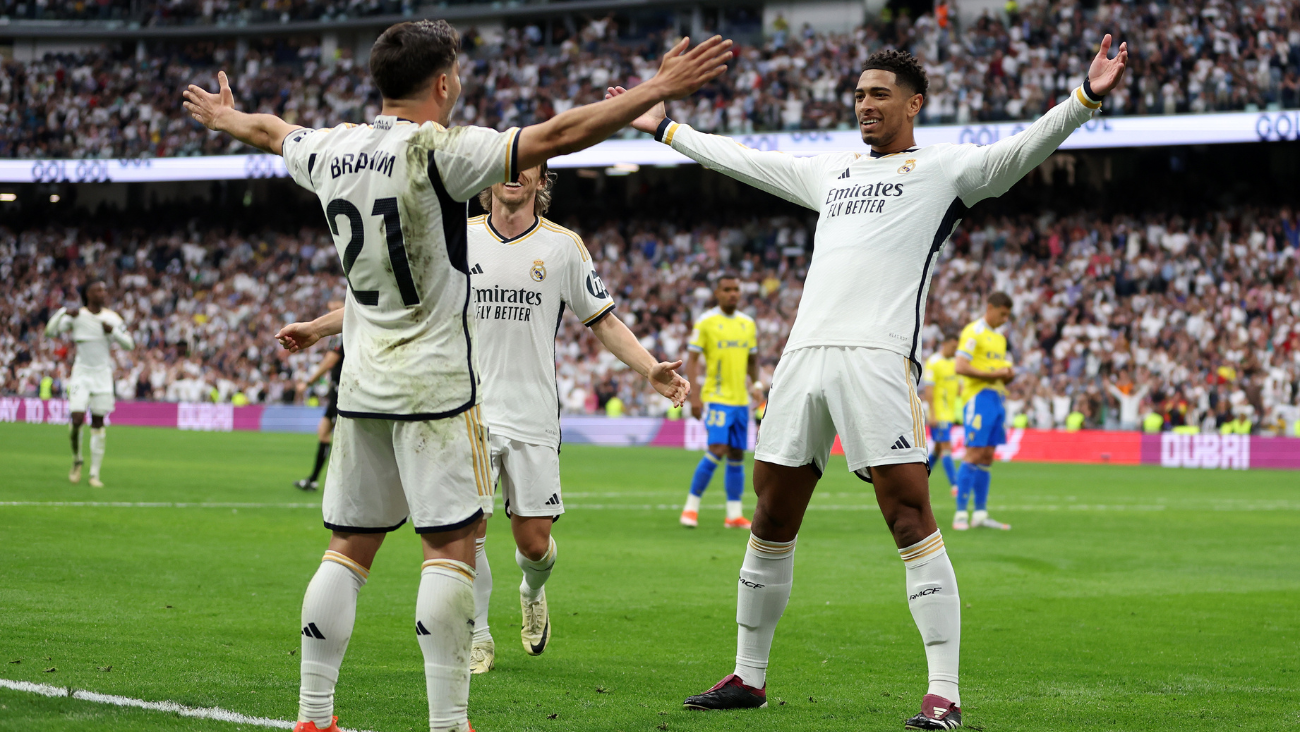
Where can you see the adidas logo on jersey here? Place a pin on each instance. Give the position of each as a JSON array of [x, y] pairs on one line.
[[554, 500], [477, 269], [843, 175], [900, 444], [311, 631]]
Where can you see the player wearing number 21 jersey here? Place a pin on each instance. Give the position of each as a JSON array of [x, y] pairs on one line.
[[411, 442]]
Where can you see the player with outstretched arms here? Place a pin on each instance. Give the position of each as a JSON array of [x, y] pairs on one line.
[[526, 271], [942, 388], [411, 441], [94, 328], [727, 340], [850, 364]]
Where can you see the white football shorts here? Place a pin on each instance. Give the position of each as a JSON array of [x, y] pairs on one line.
[[86, 393], [867, 395], [530, 477], [382, 472]]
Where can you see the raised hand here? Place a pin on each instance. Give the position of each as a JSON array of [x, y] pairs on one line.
[[648, 122], [107, 328], [681, 74], [1105, 73], [669, 383], [206, 107]]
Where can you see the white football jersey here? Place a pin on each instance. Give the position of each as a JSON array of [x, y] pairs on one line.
[[884, 219], [394, 195], [93, 363], [521, 289]]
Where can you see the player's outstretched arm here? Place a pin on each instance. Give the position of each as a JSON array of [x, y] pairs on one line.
[[623, 344], [680, 74], [794, 179], [297, 337], [987, 172], [217, 112]]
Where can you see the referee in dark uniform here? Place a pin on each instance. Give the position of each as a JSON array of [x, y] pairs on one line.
[[333, 364]]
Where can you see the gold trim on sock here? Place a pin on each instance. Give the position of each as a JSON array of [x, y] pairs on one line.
[[333, 556], [451, 565]]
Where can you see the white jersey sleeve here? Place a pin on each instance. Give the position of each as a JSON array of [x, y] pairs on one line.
[[475, 158], [120, 334], [59, 324], [301, 150], [584, 291], [981, 172], [798, 180]]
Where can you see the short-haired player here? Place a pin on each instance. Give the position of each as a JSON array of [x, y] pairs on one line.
[[727, 341], [985, 368], [94, 328], [526, 271], [942, 389], [394, 193]]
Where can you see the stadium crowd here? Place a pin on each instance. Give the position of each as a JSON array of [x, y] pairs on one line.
[[1196, 321], [1185, 57]]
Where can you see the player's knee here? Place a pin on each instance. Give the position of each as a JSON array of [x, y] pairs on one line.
[[719, 451], [735, 453], [96, 421]]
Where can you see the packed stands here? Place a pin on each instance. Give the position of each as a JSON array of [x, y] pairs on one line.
[[1195, 319], [1186, 58]]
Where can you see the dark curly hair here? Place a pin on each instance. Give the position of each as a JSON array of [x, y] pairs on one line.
[[908, 72]]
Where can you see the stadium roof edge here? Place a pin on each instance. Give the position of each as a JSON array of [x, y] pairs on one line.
[[108, 30]]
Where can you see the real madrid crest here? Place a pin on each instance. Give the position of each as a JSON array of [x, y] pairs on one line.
[[538, 272], [907, 166]]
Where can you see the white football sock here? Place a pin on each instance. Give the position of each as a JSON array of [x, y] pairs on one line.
[[535, 573], [979, 517], [936, 608], [763, 592], [482, 591], [444, 613], [96, 450], [692, 503], [329, 610], [734, 510]]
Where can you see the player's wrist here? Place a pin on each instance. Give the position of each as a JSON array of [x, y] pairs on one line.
[[662, 129]]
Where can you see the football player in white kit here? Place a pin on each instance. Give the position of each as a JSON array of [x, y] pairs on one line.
[[526, 271], [94, 328], [411, 442], [850, 364]]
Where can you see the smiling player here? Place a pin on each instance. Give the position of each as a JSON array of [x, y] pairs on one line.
[[850, 364]]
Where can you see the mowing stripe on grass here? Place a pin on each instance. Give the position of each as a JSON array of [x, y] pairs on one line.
[[1192, 505], [216, 713]]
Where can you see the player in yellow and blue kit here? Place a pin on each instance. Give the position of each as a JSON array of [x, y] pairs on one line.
[[728, 341], [942, 386], [985, 370]]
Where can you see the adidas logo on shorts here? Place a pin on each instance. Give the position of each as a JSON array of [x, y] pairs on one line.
[[900, 444], [554, 500]]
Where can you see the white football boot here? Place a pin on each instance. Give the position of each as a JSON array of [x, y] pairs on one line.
[[536, 631]]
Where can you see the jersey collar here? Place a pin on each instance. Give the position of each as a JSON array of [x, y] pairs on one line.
[[537, 221], [875, 154]]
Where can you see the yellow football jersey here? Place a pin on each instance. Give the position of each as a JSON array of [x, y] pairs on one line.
[[725, 341], [945, 386], [986, 349]]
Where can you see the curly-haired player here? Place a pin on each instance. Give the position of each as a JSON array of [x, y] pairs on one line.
[[851, 362]]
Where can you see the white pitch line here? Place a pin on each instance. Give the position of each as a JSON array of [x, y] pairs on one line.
[[216, 713]]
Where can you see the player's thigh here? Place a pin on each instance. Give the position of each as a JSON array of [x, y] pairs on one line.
[[797, 425], [783, 495], [102, 404], [363, 488], [530, 480], [872, 397], [78, 396], [497, 447], [903, 494], [738, 428], [444, 465], [715, 427], [983, 423]]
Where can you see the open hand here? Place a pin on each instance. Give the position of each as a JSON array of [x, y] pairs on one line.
[[648, 122], [73, 312], [668, 382], [297, 337], [681, 74], [1105, 73], [206, 107], [107, 328]]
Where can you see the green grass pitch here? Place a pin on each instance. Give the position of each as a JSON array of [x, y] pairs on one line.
[[1125, 598]]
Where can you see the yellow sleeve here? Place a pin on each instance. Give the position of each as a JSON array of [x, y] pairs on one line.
[[753, 337], [696, 343]]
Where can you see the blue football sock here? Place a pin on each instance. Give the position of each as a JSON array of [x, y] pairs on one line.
[[965, 476], [734, 479], [949, 470], [980, 485], [703, 474]]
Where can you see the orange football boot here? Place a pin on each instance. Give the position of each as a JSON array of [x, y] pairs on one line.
[[690, 519], [740, 522], [311, 726]]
